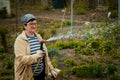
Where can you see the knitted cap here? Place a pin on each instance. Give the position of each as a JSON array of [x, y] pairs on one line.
[[26, 18]]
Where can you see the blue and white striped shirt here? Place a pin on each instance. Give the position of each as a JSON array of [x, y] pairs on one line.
[[34, 46]]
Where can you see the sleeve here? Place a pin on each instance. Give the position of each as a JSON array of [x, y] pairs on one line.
[[20, 50]]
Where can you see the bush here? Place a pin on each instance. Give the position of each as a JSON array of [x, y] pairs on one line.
[[81, 7], [3, 33], [4, 72], [107, 46], [89, 70], [69, 62], [1, 49], [112, 31], [114, 14], [67, 22], [87, 36], [52, 51], [62, 44], [8, 63], [96, 70], [116, 76], [54, 63], [55, 24], [69, 44], [94, 43], [7, 78], [76, 43], [63, 74], [112, 68], [115, 53], [81, 11], [2, 56], [81, 71], [87, 51]]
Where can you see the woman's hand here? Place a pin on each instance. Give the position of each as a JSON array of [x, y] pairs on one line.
[[40, 53], [54, 74]]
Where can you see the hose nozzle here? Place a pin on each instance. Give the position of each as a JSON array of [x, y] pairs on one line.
[[43, 41]]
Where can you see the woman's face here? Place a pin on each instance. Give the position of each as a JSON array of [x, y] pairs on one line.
[[31, 26]]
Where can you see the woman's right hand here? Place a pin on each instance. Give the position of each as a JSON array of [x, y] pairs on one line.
[[40, 53]]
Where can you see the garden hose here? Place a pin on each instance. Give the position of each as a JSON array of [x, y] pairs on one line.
[[37, 65], [35, 68]]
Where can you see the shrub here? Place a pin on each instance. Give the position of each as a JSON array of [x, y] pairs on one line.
[[46, 7], [80, 70], [89, 70], [69, 44], [94, 43], [85, 60], [96, 70], [67, 22], [4, 72], [54, 63], [81, 7], [1, 49], [107, 46], [114, 14], [76, 43], [52, 51], [3, 33], [111, 31], [115, 53], [2, 56], [62, 44], [87, 51], [63, 74], [116, 76], [69, 62], [8, 63], [80, 11], [112, 68], [86, 36], [55, 24], [6, 78], [89, 47]]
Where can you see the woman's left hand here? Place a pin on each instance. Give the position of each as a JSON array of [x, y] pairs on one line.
[[54, 74]]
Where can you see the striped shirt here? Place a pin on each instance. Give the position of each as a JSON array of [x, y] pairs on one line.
[[34, 46]]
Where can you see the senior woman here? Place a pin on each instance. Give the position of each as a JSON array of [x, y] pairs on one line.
[[28, 54]]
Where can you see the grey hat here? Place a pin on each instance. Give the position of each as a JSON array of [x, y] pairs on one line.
[[26, 18]]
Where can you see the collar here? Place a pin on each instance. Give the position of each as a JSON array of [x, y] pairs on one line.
[[23, 36]]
